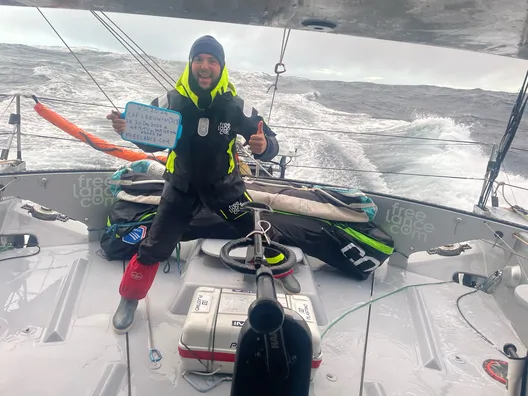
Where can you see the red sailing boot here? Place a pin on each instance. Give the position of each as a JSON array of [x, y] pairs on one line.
[[135, 284]]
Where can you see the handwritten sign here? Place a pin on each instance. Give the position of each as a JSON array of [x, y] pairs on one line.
[[152, 126]]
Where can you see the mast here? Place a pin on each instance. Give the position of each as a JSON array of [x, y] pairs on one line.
[[498, 155]]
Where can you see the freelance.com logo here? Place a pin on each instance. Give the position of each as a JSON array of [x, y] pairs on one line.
[[408, 222], [92, 191]]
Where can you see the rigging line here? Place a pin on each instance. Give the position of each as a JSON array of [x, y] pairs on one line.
[[508, 178], [369, 141], [381, 134], [61, 138], [502, 193], [69, 49], [511, 250], [385, 172], [126, 35], [7, 107], [126, 45], [513, 185], [278, 66], [518, 148]]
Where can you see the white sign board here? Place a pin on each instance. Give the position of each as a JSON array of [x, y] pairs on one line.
[[152, 126]]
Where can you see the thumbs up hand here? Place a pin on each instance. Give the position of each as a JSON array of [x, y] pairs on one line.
[[257, 142]]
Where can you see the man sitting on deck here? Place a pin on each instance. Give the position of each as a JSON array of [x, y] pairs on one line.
[[200, 171]]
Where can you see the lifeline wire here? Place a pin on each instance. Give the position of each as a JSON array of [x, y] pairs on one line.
[[43, 98], [69, 49], [449, 142], [386, 172], [381, 135]]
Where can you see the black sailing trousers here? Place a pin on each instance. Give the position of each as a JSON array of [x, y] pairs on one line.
[[177, 209]]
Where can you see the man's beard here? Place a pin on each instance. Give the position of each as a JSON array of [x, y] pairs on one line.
[[204, 95]]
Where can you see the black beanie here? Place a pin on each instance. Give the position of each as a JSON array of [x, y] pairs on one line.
[[208, 45]]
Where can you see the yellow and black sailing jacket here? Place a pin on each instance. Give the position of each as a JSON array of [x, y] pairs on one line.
[[206, 151]]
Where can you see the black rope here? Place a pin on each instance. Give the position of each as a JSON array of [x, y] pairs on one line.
[[25, 255], [126, 45], [385, 172], [469, 323], [69, 49], [141, 49], [279, 67]]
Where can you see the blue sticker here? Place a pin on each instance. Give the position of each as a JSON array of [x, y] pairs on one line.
[[136, 235]]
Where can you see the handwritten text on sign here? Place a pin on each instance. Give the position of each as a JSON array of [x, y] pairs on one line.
[[151, 125]]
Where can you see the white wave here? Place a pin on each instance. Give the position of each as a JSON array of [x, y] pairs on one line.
[[450, 159]]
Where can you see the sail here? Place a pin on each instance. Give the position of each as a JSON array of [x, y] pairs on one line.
[[495, 27]]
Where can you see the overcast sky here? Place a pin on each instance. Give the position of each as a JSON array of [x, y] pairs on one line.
[[309, 54]]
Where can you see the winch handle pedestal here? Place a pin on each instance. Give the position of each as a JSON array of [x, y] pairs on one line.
[[265, 314], [274, 350], [258, 245]]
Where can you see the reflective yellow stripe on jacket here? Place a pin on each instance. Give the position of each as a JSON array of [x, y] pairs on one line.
[[223, 86]]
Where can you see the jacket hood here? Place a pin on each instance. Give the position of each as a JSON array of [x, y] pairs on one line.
[[223, 86]]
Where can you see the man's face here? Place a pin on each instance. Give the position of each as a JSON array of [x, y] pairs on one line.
[[205, 70]]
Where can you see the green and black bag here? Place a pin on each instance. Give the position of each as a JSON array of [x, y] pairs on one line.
[[356, 249], [364, 246]]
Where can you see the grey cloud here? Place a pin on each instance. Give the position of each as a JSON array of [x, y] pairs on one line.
[[309, 54]]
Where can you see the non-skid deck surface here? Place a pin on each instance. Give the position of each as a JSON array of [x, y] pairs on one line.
[[56, 336]]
